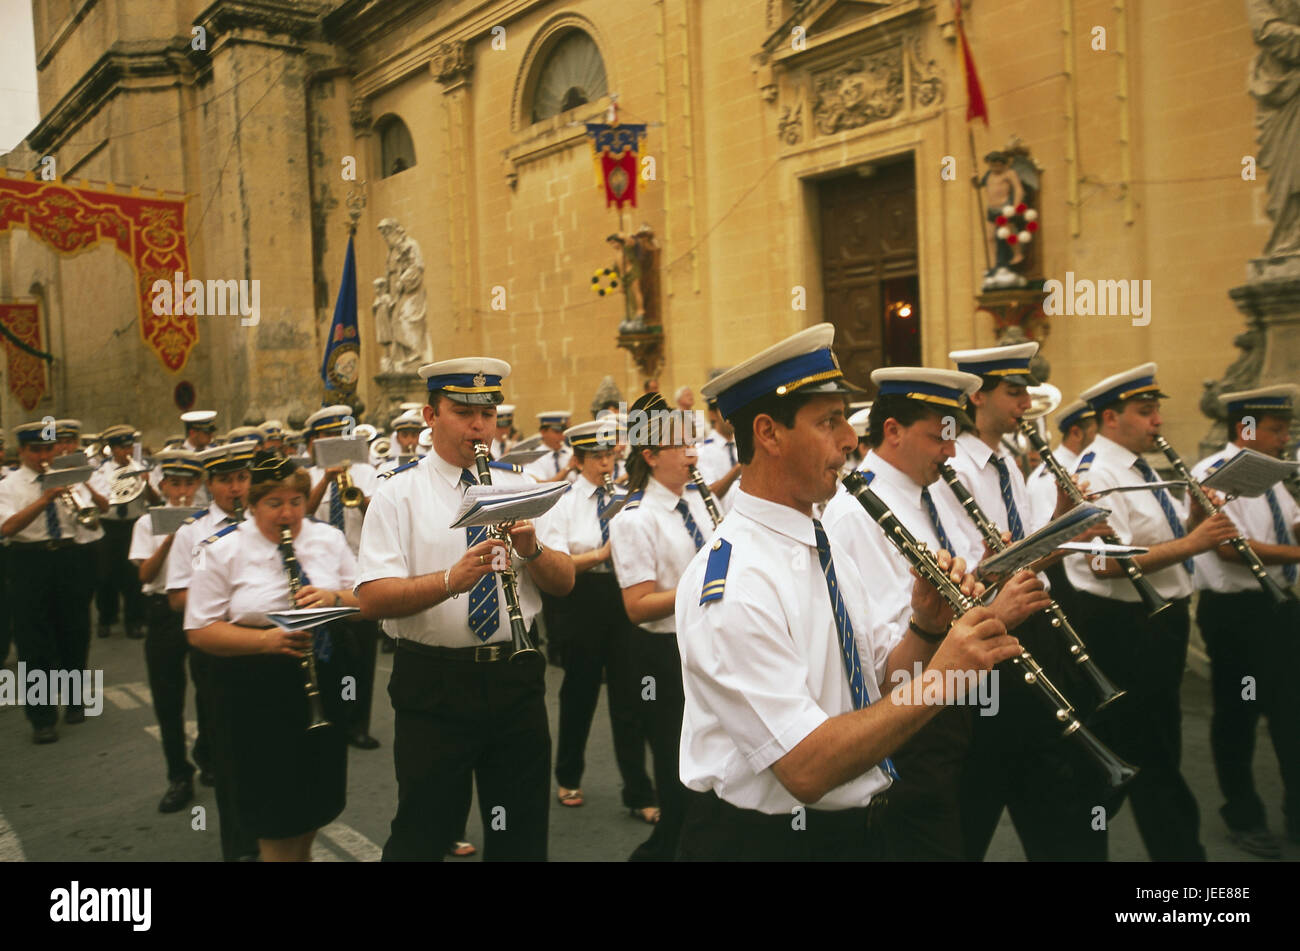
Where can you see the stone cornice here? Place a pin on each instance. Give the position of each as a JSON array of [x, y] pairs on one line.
[[301, 21]]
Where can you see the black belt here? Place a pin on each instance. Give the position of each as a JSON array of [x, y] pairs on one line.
[[844, 821], [484, 654], [51, 544]]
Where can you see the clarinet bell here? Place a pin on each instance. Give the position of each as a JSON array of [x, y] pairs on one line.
[[1118, 772]]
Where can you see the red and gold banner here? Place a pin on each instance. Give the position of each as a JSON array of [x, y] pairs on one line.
[[617, 160], [26, 371], [150, 232]]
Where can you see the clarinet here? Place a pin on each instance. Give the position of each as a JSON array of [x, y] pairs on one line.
[[1239, 544], [1106, 691], [1117, 771], [523, 647], [706, 495], [308, 663], [1150, 597]]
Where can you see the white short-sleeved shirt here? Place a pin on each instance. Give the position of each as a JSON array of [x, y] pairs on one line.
[[101, 480], [143, 545], [180, 561], [1136, 518], [717, 458], [974, 463], [365, 478], [649, 541], [888, 574], [1255, 521], [574, 527], [1042, 485], [762, 666], [20, 490], [406, 534], [243, 576], [547, 467]]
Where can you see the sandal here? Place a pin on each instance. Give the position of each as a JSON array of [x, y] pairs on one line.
[[570, 797], [461, 849], [648, 814]]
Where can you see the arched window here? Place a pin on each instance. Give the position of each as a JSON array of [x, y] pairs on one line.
[[396, 151], [572, 75]]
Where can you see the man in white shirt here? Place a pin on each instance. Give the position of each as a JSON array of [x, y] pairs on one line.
[[503, 440], [557, 464], [119, 580], [783, 652], [718, 464], [406, 438], [460, 707], [1078, 427], [1250, 638], [88, 536], [1143, 655]]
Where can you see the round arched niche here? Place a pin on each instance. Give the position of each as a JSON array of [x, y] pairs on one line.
[[395, 145], [564, 68]]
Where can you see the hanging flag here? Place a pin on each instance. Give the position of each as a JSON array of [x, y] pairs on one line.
[[20, 326], [975, 106], [341, 367], [617, 163]]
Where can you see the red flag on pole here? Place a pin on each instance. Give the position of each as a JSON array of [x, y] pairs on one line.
[[975, 107]]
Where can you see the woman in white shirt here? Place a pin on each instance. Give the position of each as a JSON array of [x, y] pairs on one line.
[[288, 781], [652, 540]]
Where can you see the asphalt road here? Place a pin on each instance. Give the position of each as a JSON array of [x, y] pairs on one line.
[[93, 795]]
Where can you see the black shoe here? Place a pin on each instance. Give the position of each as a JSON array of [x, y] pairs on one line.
[[362, 740], [135, 632], [44, 734], [1257, 841], [74, 715], [104, 630], [206, 777], [178, 793]]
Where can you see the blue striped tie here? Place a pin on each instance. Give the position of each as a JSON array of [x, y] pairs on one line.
[[937, 525], [52, 522], [321, 643], [691, 527], [1283, 535], [1004, 483], [1166, 506], [602, 503], [336, 505], [484, 610], [731, 452], [844, 630]]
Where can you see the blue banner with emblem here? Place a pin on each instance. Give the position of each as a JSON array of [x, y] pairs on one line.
[[342, 364]]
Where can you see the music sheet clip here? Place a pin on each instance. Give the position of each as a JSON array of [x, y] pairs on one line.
[[166, 519], [1042, 542], [58, 478], [304, 619], [521, 457], [1099, 547], [1249, 474], [493, 504], [340, 451]]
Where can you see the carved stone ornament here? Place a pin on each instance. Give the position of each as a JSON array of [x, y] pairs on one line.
[[927, 83], [451, 62], [863, 90], [790, 127], [359, 115]]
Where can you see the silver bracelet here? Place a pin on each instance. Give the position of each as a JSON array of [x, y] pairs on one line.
[[446, 584]]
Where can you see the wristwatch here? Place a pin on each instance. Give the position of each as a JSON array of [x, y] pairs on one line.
[[535, 555]]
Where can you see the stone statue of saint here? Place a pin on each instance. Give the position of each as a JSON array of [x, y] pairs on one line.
[[382, 308], [1275, 86], [408, 346]]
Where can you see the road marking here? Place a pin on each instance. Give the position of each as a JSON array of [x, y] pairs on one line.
[[191, 731], [120, 698], [321, 854], [352, 842], [11, 850], [142, 691]]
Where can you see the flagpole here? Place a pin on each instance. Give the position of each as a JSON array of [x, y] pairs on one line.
[[979, 208]]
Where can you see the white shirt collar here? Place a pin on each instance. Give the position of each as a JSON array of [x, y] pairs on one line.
[[657, 493], [448, 472], [779, 518], [892, 474], [977, 448], [1103, 446], [585, 486]]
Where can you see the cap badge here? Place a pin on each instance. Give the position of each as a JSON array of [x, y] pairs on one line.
[[480, 380]]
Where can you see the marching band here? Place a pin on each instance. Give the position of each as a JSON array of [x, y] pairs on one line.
[[796, 609]]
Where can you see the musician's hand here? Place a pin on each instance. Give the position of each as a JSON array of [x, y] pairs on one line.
[[988, 549], [1101, 530], [523, 536], [977, 641], [333, 472], [1021, 597], [479, 560], [931, 611], [1212, 532], [288, 643], [313, 597], [49, 495], [1197, 514]]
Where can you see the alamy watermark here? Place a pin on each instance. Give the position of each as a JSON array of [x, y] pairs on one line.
[[956, 688], [213, 299], [1083, 297], [64, 688]]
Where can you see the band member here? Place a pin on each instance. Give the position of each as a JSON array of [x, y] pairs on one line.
[[592, 625], [345, 508], [1143, 655], [1016, 760], [47, 586], [289, 780], [652, 540], [273, 436], [1078, 426], [406, 437], [88, 540], [228, 480], [718, 465], [165, 645], [557, 464], [200, 428], [460, 707], [1249, 638], [782, 660], [503, 440], [119, 581]]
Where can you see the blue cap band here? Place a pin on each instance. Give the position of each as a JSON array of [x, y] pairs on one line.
[[780, 378], [926, 392], [465, 383], [1075, 418], [996, 367], [1126, 390]]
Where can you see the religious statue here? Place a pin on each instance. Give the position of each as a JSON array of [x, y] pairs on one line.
[[1010, 190], [407, 347], [382, 308], [1275, 86], [637, 265]]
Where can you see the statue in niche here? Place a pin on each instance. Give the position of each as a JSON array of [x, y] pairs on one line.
[[637, 264], [406, 306], [1275, 86]]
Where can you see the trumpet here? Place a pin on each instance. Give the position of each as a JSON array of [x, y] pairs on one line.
[[308, 663], [709, 502], [1105, 689], [524, 651], [349, 494], [1146, 591], [1239, 543], [1117, 771], [87, 516]]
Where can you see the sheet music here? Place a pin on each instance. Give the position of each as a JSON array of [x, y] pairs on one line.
[[303, 619], [1042, 542], [58, 478], [521, 457], [166, 519], [70, 460], [340, 450], [491, 504], [1249, 474]]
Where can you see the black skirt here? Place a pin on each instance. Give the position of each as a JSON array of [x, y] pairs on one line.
[[285, 780]]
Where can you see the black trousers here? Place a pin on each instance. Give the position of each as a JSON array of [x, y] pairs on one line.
[[6, 612], [117, 577], [1249, 636], [1146, 657], [597, 642], [924, 802], [455, 719], [213, 750], [49, 592], [358, 647], [655, 656], [716, 831], [165, 648]]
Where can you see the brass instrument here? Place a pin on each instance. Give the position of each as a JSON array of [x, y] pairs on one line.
[[1106, 691], [1239, 543], [308, 662], [1117, 771], [128, 485], [87, 516], [1146, 591], [524, 651], [349, 493], [709, 502]]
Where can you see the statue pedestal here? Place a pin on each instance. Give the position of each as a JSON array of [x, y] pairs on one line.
[[647, 348], [395, 389]]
